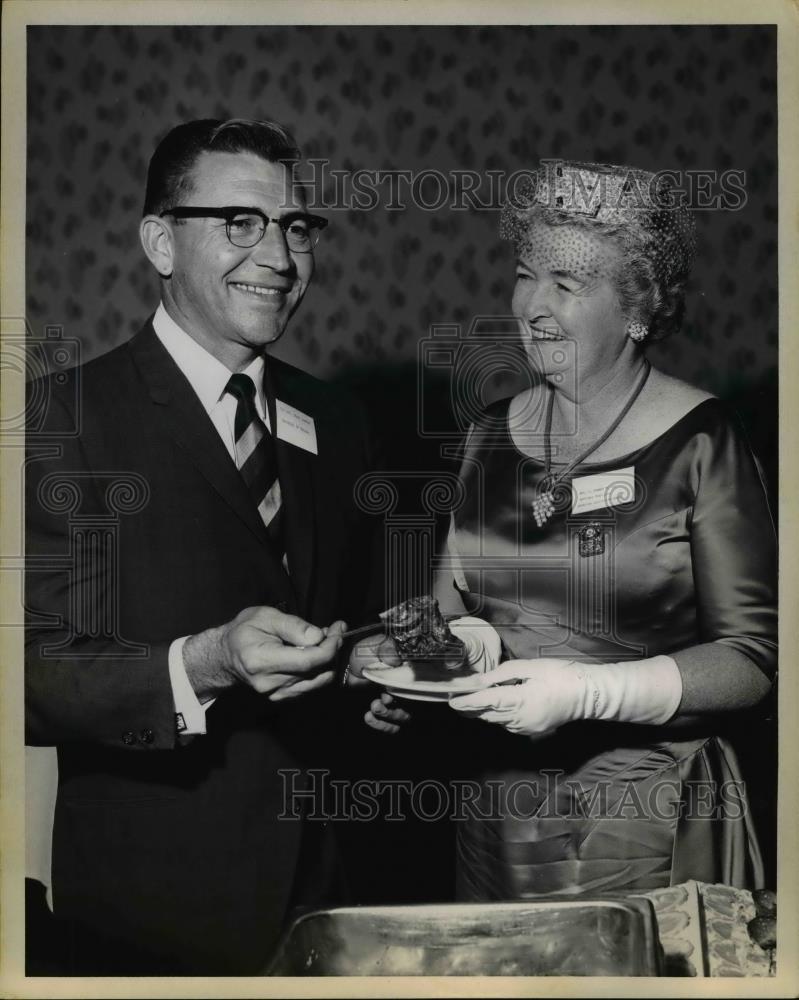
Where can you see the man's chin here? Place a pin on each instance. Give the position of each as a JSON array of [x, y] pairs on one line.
[[264, 328], [263, 336]]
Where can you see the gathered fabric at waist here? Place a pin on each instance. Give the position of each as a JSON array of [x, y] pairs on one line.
[[617, 818]]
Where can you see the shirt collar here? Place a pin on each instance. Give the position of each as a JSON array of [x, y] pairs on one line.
[[205, 373]]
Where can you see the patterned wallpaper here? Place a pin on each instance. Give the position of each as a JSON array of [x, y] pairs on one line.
[[406, 98]]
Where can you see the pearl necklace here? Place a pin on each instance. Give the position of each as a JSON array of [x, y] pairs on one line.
[[544, 504]]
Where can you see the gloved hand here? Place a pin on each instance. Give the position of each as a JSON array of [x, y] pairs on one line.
[[550, 692], [482, 641]]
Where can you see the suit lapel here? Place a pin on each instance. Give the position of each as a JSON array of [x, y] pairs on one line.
[[296, 472], [183, 416]]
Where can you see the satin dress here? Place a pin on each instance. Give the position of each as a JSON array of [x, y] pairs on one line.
[[682, 553]]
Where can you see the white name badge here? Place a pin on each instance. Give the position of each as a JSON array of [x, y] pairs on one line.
[[295, 427], [603, 489]]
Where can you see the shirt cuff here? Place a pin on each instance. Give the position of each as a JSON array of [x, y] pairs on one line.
[[189, 712]]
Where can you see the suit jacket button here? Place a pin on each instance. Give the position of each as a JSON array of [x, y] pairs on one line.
[[146, 736], [128, 738]]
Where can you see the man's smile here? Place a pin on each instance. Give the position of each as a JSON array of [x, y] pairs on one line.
[[263, 291]]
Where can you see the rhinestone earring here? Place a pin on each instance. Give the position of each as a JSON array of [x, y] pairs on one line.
[[637, 331]]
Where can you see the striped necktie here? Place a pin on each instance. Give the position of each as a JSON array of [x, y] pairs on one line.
[[256, 459]]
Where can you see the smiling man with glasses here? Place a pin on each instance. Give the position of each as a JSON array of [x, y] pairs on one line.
[[246, 226], [231, 276], [221, 617]]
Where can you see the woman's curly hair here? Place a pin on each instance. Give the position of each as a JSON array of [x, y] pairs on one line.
[[656, 246]]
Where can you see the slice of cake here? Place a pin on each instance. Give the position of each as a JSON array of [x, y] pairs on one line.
[[421, 634]]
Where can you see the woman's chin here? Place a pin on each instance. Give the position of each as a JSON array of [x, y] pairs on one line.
[[551, 356], [552, 372]]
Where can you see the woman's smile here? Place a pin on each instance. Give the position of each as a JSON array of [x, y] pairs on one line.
[[544, 333]]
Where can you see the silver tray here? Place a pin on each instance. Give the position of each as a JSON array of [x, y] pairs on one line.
[[585, 937]]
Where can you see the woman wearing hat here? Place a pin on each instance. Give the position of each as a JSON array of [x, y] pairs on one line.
[[616, 536]]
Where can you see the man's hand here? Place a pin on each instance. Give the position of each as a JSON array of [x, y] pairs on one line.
[[375, 651], [385, 715], [276, 654]]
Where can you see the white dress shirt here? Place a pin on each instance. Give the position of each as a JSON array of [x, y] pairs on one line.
[[208, 377]]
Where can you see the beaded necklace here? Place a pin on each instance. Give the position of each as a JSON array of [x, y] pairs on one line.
[[544, 504]]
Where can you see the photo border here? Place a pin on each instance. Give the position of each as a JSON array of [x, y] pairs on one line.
[[17, 15]]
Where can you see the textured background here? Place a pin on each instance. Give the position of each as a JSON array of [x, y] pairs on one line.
[[482, 98]]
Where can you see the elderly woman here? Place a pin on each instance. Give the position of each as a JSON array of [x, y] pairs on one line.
[[616, 535]]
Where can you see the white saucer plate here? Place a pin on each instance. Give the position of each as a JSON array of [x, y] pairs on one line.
[[401, 682]]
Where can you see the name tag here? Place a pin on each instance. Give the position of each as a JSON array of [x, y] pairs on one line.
[[295, 427], [603, 489]]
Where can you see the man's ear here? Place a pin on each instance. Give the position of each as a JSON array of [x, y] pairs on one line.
[[156, 239]]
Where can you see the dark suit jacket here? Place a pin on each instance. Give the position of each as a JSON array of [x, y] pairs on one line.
[[140, 530]]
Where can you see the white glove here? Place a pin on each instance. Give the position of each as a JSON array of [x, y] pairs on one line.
[[553, 692], [482, 642]]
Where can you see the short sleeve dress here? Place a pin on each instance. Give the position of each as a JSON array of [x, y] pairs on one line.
[[678, 548]]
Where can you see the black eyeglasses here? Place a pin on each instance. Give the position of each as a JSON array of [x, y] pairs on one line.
[[246, 226]]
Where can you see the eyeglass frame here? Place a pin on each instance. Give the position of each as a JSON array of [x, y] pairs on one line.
[[315, 222]]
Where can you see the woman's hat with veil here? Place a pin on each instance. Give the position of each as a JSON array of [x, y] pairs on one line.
[[645, 211]]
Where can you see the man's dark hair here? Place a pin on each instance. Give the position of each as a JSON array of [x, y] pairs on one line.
[[169, 177]]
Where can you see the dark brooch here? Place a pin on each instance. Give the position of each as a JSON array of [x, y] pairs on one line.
[[591, 539]]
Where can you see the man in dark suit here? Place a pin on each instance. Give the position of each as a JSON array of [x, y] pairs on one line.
[[193, 549]]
